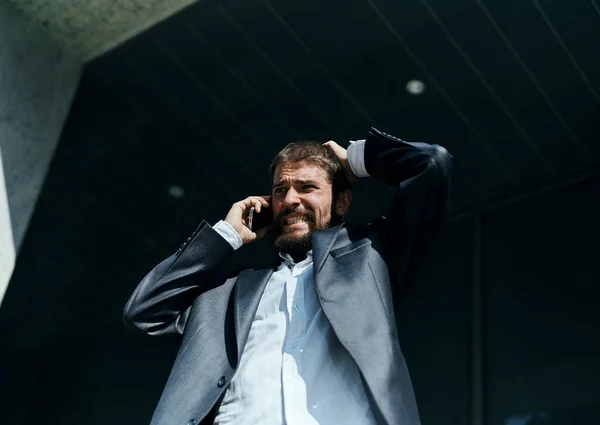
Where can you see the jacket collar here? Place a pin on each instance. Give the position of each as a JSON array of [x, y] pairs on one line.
[[323, 242]]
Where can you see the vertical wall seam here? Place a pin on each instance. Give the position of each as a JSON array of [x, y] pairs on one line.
[[477, 319]]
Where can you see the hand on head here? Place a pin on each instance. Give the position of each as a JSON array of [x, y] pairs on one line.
[[342, 156]]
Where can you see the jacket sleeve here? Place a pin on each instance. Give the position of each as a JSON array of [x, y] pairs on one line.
[[161, 303], [422, 175]]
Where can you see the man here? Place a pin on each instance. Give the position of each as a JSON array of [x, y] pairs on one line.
[[309, 335]]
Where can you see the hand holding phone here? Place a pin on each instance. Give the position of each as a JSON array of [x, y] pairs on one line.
[[239, 216], [257, 221]]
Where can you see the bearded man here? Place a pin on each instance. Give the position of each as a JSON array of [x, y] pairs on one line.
[[309, 335]]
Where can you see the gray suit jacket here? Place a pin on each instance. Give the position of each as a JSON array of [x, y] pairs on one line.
[[361, 273]]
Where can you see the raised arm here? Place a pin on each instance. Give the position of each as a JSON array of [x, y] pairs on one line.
[[161, 303], [422, 175]]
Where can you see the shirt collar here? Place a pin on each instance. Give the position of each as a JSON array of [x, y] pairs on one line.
[[289, 262]]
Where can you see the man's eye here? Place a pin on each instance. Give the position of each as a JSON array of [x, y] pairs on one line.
[[280, 190], [309, 186]]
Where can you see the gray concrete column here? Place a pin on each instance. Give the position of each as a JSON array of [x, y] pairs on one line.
[[37, 84]]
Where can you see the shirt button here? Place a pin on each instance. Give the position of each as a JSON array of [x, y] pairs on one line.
[[295, 307], [191, 422], [222, 382]]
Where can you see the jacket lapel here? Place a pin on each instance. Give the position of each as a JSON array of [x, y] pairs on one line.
[[249, 288], [353, 303], [322, 243], [347, 286]]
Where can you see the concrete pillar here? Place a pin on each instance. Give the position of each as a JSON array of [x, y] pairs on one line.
[[37, 84]]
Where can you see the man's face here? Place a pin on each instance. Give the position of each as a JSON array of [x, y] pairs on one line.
[[301, 202]]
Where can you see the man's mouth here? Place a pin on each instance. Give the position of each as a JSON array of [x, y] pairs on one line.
[[294, 220]]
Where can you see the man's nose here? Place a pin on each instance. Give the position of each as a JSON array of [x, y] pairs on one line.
[[291, 198]]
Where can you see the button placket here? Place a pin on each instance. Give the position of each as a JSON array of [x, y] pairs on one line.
[[295, 310]]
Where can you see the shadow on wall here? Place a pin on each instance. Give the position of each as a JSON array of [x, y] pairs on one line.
[[37, 84], [7, 246]]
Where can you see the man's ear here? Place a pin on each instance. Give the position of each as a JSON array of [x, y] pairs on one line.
[[342, 202]]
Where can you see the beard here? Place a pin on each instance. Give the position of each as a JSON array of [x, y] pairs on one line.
[[291, 243]]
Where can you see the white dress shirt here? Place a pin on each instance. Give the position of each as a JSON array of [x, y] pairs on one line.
[[293, 370]]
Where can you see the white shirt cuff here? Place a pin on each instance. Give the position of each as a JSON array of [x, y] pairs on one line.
[[227, 231], [356, 158]]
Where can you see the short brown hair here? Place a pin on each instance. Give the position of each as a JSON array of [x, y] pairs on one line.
[[313, 153]]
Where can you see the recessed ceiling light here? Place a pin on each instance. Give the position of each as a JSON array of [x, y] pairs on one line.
[[176, 191], [415, 87]]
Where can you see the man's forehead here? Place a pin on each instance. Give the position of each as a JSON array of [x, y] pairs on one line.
[[299, 171]]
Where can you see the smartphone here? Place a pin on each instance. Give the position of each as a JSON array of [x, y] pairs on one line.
[[257, 221]]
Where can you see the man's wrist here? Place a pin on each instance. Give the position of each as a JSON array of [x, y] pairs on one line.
[[356, 158], [228, 233]]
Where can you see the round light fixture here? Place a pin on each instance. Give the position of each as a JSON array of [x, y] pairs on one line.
[[176, 191], [415, 87]]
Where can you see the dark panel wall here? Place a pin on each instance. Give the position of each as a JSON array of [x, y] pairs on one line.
[[114, 377], [542, 285], [540, 325], [435, 329]]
